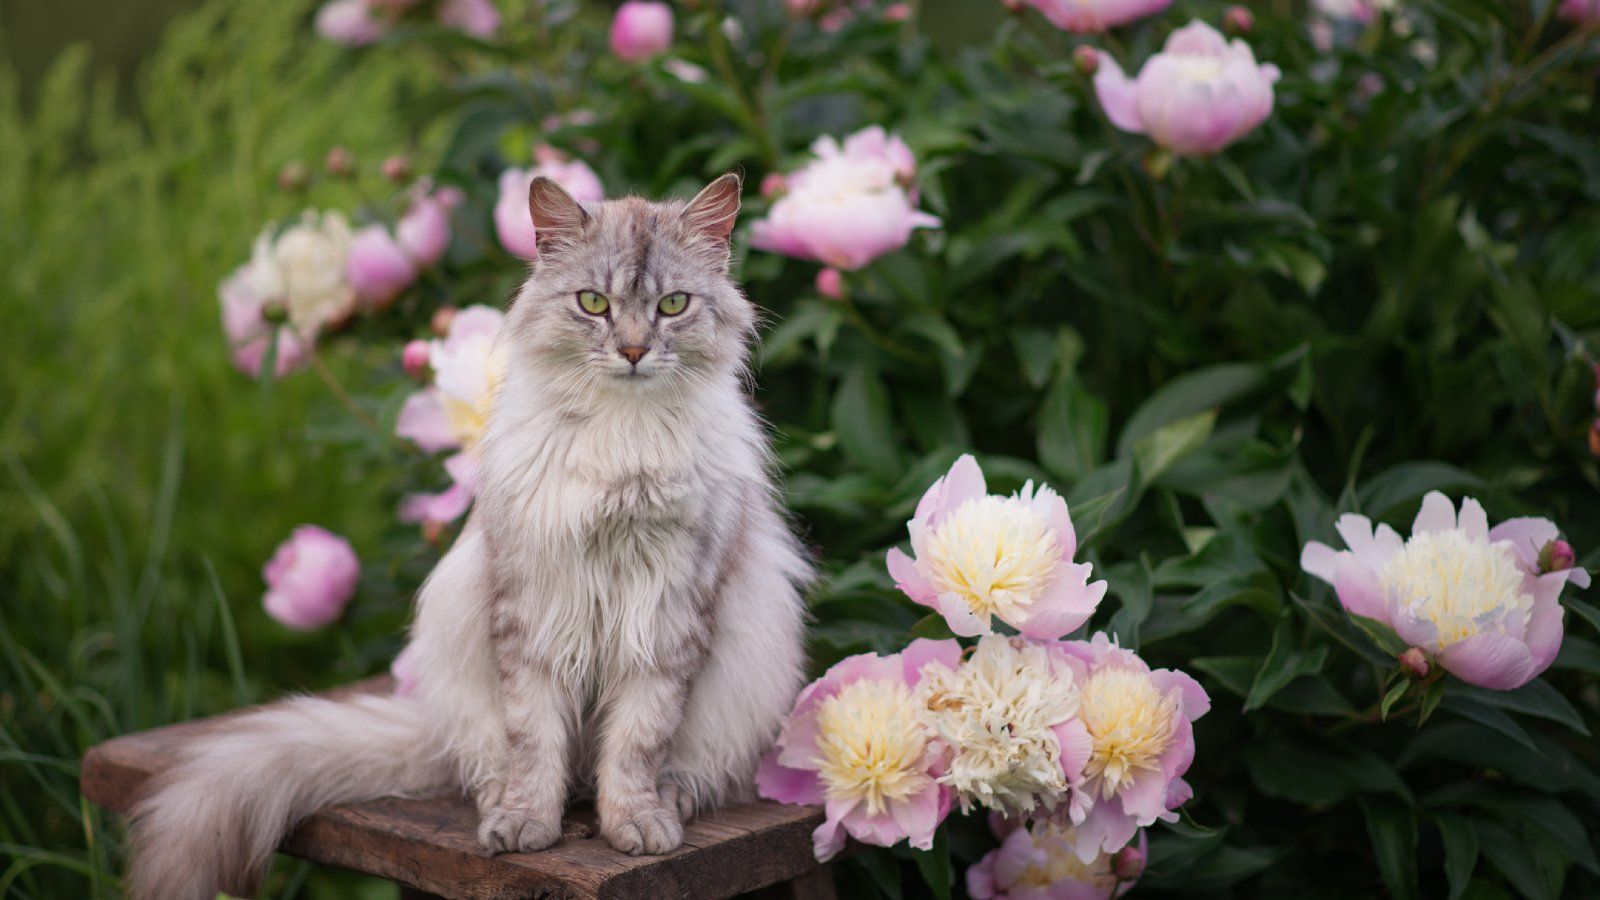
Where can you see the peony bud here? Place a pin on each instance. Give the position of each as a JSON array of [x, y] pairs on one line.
[[397, 169], [1238, 20], [1086, 58], [377, 267], [293, 177], [1013, 6], [310, 578], [641, 29], [1556, 556], [897, 12], [1415, 662], [442, 317], [830, 283], [773, 185], [1128, 864], [340, 162], [415, 359], [432, 531]]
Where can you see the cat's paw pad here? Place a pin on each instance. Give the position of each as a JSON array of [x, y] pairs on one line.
[[511, 830], [674, 795], [653, 829]]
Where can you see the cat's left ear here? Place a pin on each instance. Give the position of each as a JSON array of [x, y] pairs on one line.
[[712, 211]]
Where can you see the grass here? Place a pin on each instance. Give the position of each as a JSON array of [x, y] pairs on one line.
[[142, 480]]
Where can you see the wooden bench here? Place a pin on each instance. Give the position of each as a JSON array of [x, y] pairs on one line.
[[429, 846]]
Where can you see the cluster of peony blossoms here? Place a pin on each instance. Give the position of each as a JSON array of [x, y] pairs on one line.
[[356, 23], [513, 223], [1482, 603], [293, 287], [851, 204], [1075, 744]]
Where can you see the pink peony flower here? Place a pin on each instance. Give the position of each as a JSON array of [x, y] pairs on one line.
[[1472, 597], [849, 206], [1141, 742], [415, 357], [452, 413], [1093, 16], [641, 29], [310, 578], [378, 268], [424, 231], [353, 23], [512, 221], [449, 504], [357, 23], [853, 743], [477, 18], [830, 283], [1043, 863], [1198, 95], [249, 333], [1579, 11], [979, 557]]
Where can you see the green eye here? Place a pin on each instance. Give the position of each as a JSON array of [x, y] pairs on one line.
[[593, 303], [674, 303]]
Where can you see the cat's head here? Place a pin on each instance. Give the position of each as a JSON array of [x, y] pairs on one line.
[[631, 295]]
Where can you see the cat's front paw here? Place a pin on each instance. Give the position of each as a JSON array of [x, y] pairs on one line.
[[648, 829], [506, 829]]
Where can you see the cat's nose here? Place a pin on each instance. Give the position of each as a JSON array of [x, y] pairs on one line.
[[633, 353]]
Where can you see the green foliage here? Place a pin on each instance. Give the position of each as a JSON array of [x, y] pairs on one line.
[[1375, 295]]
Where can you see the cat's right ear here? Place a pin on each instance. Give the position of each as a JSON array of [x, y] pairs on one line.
[[557, 218]]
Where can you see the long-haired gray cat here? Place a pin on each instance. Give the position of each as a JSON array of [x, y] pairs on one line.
[[622, 610]]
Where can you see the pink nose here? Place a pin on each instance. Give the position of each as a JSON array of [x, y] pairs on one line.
[[634, 353]]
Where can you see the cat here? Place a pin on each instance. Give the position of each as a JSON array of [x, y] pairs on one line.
[[623, 611]]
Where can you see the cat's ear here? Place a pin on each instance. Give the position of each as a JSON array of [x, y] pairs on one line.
[[712, 211], [557, 218]]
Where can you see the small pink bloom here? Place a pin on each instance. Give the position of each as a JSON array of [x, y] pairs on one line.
[[980, 557], [1198, 95], [1557, 556], [397, 169], [512, 221], [350, 22], [774, 184], [897, 12], [310, 578], [1042, 863], [1238, 20], [1473, 598], [1086, 59], [478, 18], [849, 206], [864, 705], [1414, 661], [1085, 16], [424, 231], [641, 29], [1141, 735], [830, 283], [415, 358], [377, 267]]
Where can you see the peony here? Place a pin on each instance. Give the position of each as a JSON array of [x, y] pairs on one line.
[[981, 557], [513, 222], [1475, 599], [1043, 863], [1198, 95], [310, 578], [357, 23], [451, 503], [1093, 16], [641, 29], [381, 264], [1007, 716], [1141, 741], [244, 320], [453, 411], [305, 268], [854, 744], [849, 206]]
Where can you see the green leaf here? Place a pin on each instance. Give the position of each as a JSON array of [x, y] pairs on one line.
[[934, 864], [1399, 487], [1156, 453], [932, 625], [1392, 828], [1430, 701], [1187, 395], [936, 330], [861, 416], [1460, 851], [1510, 854], [1588, 613], [1282, 665], [1073, 425], [1536, 698], [1394, 694], [1462, 705], [1381, 634]]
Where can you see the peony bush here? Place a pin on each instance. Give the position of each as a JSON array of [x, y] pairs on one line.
[[1147, 376]]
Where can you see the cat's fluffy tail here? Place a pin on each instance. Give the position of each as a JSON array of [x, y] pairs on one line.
[[212, 821]]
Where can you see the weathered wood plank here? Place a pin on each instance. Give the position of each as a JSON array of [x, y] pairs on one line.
[[430, 844]]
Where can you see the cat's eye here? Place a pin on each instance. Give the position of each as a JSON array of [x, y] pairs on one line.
[[673, 303], [593, 303]]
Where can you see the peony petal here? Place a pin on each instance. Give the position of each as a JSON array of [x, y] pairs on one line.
[[1318, 560], [1473, 520], [1359, 590], [925, 652], [775, 781], [1067, 603], [1491, 660], [1528, 536], [1076, 747], [1196, 702], [909, 579], [1437, 514], [423, 421], [1544, 631], [1118, 96], [959, 616]]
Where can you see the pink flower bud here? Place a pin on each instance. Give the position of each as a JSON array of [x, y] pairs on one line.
[[424, 231], [641, 29], [310, 578], [1086, 59], [350, 22], [442, 317], [1128, 864], [830, 283], [397, 169], [897, 12], [340, 162], [1557, 556], [773, 185], [415, 359], [377, 267], [1238, 20], [1415, 662], [293, 177]]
